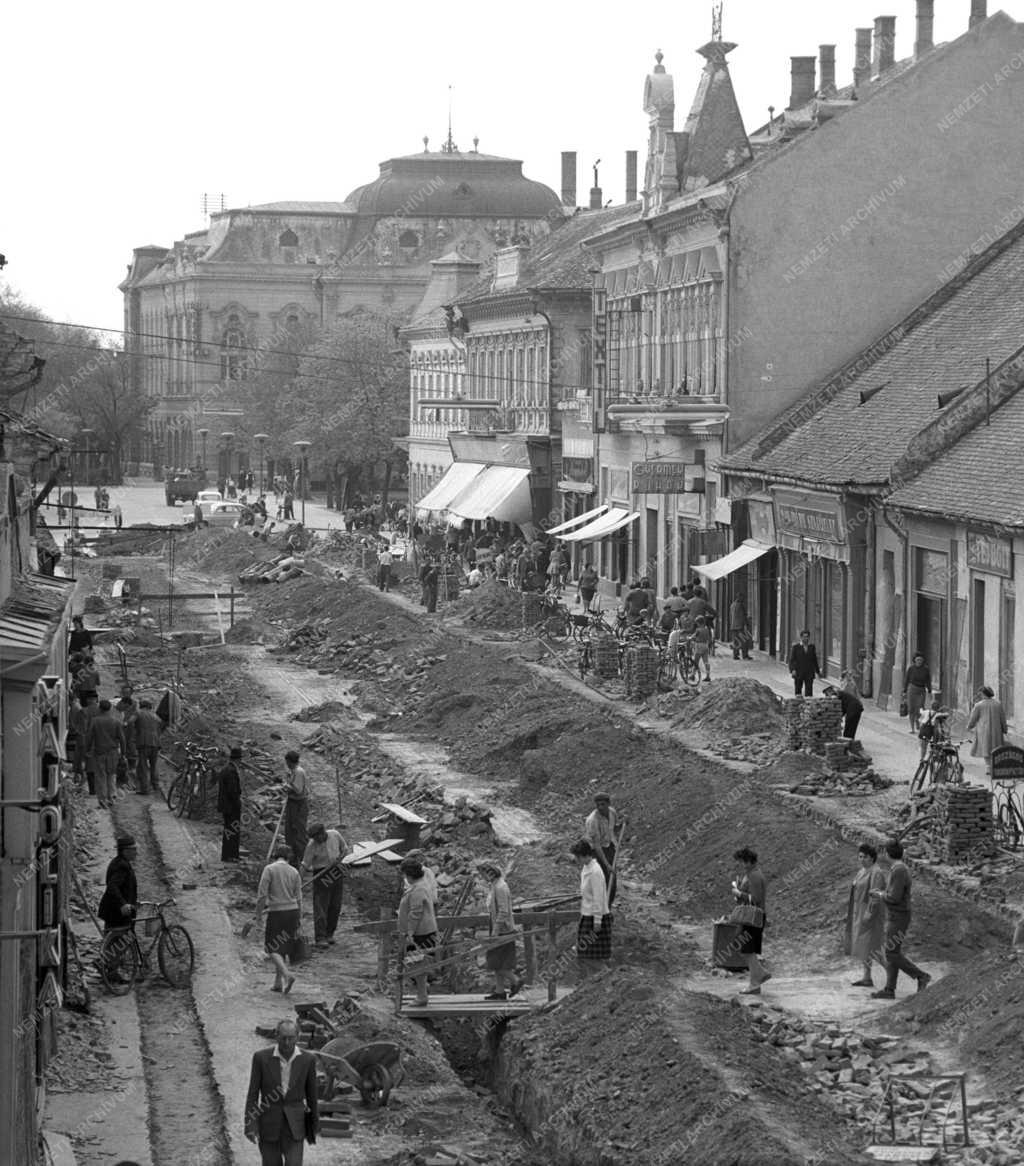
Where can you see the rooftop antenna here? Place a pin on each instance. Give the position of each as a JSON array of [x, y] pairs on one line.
[[450, 147], [716, 21], [212, 203]]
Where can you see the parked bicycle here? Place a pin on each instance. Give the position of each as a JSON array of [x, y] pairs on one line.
[[941, 763], [122, 957], [1009, 814], [187, 793]]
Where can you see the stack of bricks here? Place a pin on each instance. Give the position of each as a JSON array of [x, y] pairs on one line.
[[793, 711], [836, 757], [821, 723], [606, 657], [965, 812]]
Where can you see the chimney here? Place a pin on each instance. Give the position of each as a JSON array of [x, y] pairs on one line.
[[827, 70], [885, 44], [631, 176], [569, 178], [862, 58], [802, 75], [596, 198], [979, 12], [925, 28]]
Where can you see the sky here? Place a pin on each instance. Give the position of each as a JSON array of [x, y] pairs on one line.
[[122, 115]]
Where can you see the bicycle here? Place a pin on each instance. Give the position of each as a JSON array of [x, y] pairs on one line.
[[1008, 828], [187, 794], [939, 765], [122, 958], [556, 624]]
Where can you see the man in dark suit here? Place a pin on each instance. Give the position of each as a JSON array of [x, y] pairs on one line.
[[803, 664], [281, 1105]]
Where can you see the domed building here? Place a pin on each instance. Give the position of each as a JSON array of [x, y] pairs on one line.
[[199, 314]]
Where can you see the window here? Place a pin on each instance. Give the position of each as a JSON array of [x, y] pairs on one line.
[[409, 239], [232, 359], [288, 239]]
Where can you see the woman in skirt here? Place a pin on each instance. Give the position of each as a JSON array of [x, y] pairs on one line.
[[418, 926], [750, 891], [280, 893], [594, 936], [500, 960]]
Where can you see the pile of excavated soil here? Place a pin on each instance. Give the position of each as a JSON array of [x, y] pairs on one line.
[[142, 539], [493, 605], [622, 1072], [733, 705]]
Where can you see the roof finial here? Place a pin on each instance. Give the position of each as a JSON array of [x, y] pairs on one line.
[[716, 21], [450, 147], [659, 56], [426, 144], [476, 145]]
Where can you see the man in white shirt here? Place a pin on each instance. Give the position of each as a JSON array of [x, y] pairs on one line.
[[324, 852], [600, 830], [594, 935], [384, 561], [281, 1105]]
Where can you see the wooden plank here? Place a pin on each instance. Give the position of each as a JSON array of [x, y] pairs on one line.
[[363, 850], [553, 959], [402, 813], [469, 1006], [526, 918]]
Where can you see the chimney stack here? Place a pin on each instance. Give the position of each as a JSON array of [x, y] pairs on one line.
[[631, 176], [596, 198], [979, 12], [569, 178], [827, 70], [925, 28], [802, 77], [862, 58], [885, 44]]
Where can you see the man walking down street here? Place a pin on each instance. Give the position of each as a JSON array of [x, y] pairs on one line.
[[281, 1107], [121, 898], [600, 830], [896, 898], [324, 852], [803, 664], [229, 804], [105, 741], [296, 808], [739, 629], [148, 727], [384, 561]]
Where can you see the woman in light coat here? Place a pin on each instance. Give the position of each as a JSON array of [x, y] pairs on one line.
[[500, 960], [989, 724], [865, 915]]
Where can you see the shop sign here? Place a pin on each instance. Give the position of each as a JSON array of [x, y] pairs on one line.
[[992, 555], [487, 451], [660, 477], [1007, 763], [618, 483], [809, 516]]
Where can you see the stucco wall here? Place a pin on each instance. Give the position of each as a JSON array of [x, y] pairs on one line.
[[859, 221]]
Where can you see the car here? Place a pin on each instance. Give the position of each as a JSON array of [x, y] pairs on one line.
[[223, 513], [209, 496]]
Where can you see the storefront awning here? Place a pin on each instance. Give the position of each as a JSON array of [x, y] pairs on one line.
[[609, 523], [749, 550], [500, 492], [580, 519], [456, 479]]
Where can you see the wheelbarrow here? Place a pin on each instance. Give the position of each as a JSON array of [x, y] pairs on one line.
[[374, 1069]]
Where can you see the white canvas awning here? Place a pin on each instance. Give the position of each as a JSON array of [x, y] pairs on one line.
[[745, 553], [500, 492], [457, 477], [579, 520], [615, 519]]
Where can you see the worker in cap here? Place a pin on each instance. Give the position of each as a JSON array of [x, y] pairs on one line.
[[229, 805], [121, 898], [322, 859], [602, 825]]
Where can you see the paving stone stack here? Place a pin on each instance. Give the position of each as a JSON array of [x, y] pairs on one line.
[[821, 723], [965, 812], [606, 657], [641, 670], [793, 711], [836, 757]]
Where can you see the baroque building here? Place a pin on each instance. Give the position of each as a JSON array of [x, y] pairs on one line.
[[202, 315]]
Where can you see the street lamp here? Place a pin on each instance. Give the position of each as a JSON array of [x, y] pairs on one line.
[[203, 435], [261, 440], [302, 446]]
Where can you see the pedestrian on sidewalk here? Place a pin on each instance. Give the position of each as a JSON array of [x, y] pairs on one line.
[[128, 711], [500, 960], [587, 585], [600, 830], [896, 898], [750, 892], [988, 721], [852, 706], [120, 899], [280, 894], [429, 579], [322, 859], [296, 806], [739, 629], [281, 1105], [702, 641], [594, 933], [384, 561], [417, 927], [105, 741], [917, 683], [865, 914], [803, 664], [229, 806], [148, 727]]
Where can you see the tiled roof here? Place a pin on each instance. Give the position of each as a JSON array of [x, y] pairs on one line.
[[829, 437], [302, 208], [980, 479], [559, 261]]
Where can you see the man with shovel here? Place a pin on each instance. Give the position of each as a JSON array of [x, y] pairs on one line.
[[324, 852]]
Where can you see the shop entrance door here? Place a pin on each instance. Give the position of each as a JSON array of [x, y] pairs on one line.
[[977, 634], [1006, 656], [931, 619]]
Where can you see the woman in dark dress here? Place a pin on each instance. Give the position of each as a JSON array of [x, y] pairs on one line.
[[916, 683], [750, 892]]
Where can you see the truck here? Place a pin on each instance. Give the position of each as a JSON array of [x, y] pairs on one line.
[[185, 487]]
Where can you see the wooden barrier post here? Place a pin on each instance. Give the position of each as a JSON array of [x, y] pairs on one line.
[[530, 956], [553, 957]]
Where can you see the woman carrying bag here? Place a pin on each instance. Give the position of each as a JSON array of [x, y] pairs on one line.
[[750, 892]]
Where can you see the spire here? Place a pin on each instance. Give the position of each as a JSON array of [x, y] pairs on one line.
[[716, 21], [449, 146]]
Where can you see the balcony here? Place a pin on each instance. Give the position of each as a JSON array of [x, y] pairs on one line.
[[656, 413]]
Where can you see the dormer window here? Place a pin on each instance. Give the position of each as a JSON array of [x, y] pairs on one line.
[[288, 239]]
